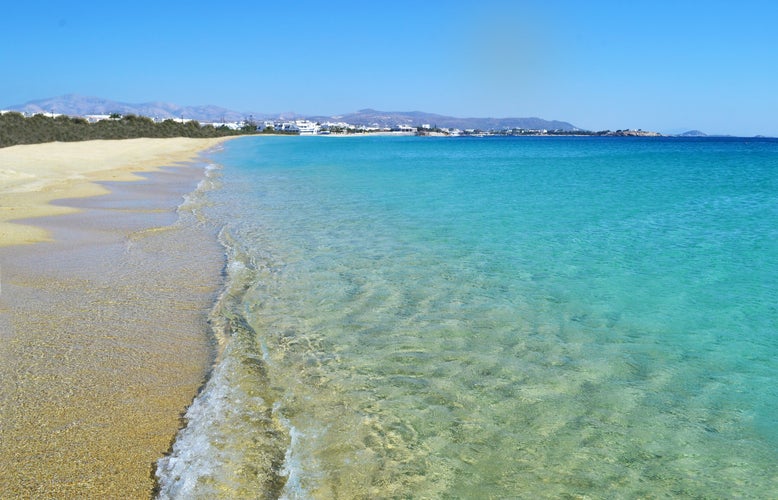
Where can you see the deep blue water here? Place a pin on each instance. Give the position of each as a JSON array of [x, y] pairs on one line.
[[494, 317]]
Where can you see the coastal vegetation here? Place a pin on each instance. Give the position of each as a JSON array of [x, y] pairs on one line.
[[271, 130], [15, 129]]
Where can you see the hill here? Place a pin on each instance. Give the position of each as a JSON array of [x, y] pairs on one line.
[[693, 133]]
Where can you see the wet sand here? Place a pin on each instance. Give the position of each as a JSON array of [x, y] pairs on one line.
[[103, 333], [31, 176]]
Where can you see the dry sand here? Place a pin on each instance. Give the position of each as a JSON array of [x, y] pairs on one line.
[[103, 323]]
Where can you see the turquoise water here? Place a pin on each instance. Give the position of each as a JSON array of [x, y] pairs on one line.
[[490, 318]]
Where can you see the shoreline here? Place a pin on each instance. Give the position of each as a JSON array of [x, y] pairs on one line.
[[32, 176], [103, 322]]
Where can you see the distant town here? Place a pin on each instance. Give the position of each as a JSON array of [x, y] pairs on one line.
[[306, 127]]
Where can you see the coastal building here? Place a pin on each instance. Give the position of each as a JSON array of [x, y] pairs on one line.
[[343, 125], [307, 127], [406, 129], [229, 125], [96, 118], [302, 127], [286, 126]]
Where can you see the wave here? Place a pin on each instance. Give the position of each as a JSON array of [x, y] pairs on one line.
[[235, 442], [195, 202]]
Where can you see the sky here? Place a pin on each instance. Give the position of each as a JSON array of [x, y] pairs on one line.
[[667, 66]]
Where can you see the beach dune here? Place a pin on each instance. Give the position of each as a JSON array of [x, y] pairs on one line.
[[103, 321]]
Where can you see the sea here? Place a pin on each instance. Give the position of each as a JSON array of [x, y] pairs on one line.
[[496, 317]]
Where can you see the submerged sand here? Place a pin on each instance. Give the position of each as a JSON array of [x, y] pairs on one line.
[[103, 324]]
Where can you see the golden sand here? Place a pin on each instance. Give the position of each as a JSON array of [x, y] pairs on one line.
[[31, 176], [103, 326]]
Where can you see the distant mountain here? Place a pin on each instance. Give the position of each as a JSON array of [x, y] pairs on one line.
[[693, 133], [76, 105], [389, 118]]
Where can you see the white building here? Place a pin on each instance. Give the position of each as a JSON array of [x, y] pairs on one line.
[[286, 126], [97, 118], [229, 125], [307, 127]]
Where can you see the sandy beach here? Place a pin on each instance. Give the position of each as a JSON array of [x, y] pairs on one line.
[[104, 297], [31, 176]]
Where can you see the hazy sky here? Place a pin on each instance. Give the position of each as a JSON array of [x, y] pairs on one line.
[[668, 66]]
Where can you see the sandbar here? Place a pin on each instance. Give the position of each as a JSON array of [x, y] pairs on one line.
[[105, 289]]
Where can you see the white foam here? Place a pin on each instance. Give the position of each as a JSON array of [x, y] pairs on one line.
[[194, 456], [293, 489]]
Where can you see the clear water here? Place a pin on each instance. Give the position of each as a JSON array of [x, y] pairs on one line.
[[491, 318]]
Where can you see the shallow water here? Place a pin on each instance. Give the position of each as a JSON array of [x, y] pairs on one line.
[[416, 317]]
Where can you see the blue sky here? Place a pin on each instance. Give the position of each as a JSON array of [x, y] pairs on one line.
[[668, 66]]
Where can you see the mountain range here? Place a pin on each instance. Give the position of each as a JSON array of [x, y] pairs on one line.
[[390, 118], [76, 105]]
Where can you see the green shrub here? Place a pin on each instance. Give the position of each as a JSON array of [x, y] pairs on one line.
[[16, 129]]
